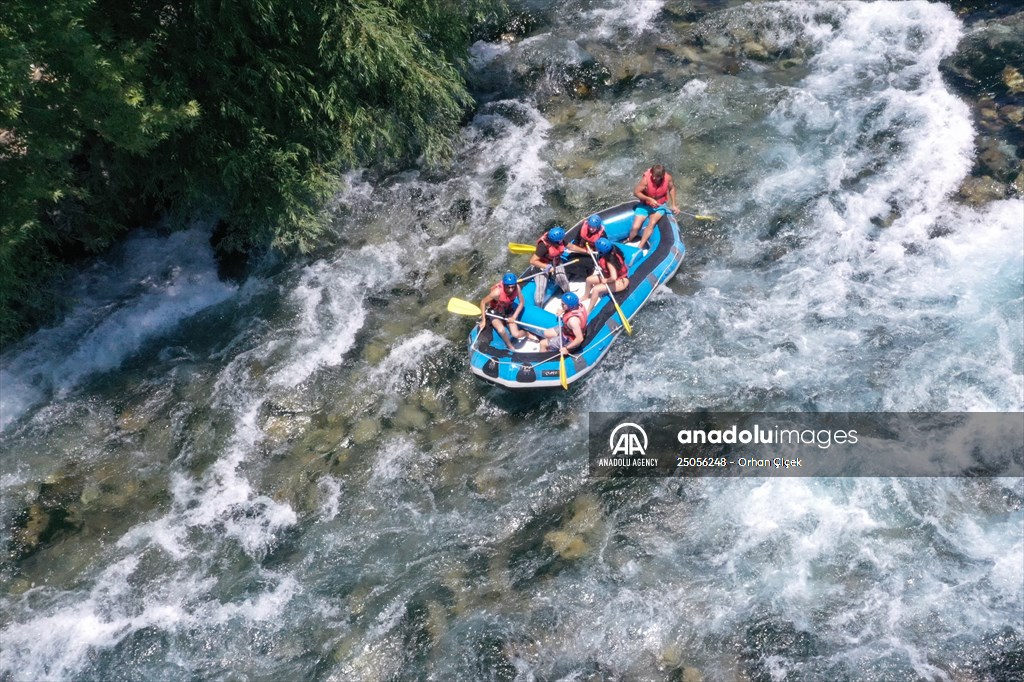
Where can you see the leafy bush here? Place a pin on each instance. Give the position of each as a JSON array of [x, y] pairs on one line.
[[116, 112]]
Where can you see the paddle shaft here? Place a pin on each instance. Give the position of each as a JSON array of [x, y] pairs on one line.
[[521, 324], [699, 217], [611, 294]]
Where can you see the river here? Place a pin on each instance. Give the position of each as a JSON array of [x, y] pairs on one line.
[[295, 476]]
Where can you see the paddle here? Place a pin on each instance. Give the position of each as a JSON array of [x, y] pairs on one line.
[[462, 307], [522, 248], [562, 378], [700, 217], [611, 295], [530, 249], [527, 279]]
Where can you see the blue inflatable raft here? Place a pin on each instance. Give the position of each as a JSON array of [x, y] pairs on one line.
[[526, 367]]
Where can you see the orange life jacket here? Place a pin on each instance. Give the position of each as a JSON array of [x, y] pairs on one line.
[[503, 303], [613, 257], [579, 313], [590, 235], [657, 192], [554, 251]]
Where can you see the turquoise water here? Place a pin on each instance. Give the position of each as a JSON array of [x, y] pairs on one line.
[[295, 477]]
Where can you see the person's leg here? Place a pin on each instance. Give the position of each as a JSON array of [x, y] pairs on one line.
[[515, 330], [649, 230], [595, 294], [639, 215], [541, 282], [592, 281], [549, 338], [499, 329], [560, 278]]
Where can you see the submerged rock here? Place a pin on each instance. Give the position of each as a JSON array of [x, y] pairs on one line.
[[365, 430], [1013, 79], [1013, 114], [756, 51], [566, 545], [691, 674], [978, 191], [411, 418]]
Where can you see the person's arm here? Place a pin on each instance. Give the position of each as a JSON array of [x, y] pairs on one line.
[[639, 192], [613, 274], [484, 302], [577, 336], [536, 260], [672, 197], [519, 308]]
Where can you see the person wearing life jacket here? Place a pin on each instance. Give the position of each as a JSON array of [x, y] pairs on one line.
[[591, 230], [572, 332], [504, 304], [548, 259], [657, 195], [611, 273]]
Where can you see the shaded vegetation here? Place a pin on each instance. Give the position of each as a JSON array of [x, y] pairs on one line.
[[116, 112]]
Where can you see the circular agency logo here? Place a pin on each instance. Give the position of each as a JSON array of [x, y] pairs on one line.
[[628, 439]]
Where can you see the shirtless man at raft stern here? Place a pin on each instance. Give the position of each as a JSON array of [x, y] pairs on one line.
[[657, 195]]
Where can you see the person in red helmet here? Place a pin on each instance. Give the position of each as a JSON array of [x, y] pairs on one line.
[[505, 300], [657, 195]]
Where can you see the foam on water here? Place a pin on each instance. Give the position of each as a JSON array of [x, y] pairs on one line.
[[435, 559], [482, 53], [151, 284], [406, 355], [63, 642], [634, 17], [514, 141], [219, 509], [878, 292], [330, 299]]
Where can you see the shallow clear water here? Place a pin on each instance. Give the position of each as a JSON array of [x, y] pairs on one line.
[[297, 478]]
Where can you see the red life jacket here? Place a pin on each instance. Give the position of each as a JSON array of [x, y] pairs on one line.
[[579, 313], [503, 303], [657, 192], [591, 235], [554, 251], [616, 258]]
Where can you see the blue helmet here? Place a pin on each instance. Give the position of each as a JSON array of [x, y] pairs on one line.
[[603, 246], [571, 300], [509, 279], [556, 234], [595, 221]]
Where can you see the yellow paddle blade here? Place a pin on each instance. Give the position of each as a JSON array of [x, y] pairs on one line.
[[461, 307], [705, 217], [625, 323], [522, 248], [561, 372]]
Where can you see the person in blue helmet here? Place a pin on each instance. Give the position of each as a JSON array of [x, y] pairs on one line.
[[572, 332], [504, 304], [613, 275], [591, 230], [548, 259]]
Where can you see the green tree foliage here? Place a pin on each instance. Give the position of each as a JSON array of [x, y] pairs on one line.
[[114, 112]]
